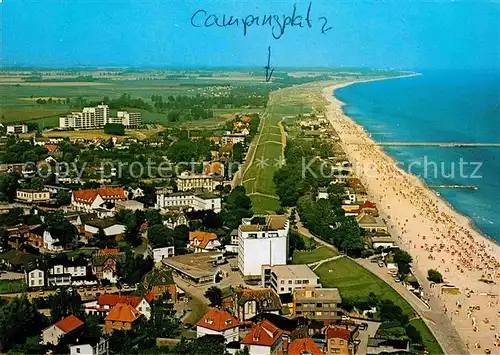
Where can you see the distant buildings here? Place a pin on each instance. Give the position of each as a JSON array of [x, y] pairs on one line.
[[188, 182], [286, 278], [32, 196], [97, 117], [187, 200], [262, 240], [17, 129]]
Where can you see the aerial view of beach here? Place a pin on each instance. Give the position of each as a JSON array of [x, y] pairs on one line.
[[250, 177]]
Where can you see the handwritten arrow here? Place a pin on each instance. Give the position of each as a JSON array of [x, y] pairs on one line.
[[269, 71]]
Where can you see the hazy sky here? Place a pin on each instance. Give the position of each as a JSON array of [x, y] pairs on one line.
[[382, 34]]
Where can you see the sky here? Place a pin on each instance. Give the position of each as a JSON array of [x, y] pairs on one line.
[[398, 34]]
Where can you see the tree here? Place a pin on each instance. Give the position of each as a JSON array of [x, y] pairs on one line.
[[214, 295], [238, 152], [63, 198], [60, 228], [160, 236], [65, 303], [114, 129], [8, 186], [403, 259], [209, 345], [434, 276]]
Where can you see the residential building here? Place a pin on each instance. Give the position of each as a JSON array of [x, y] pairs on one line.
[[387, 346], [292, 328], [262, 240], [213, 168], [50, 243], [97, 117], [32, 196], [218, 322], [197, 268], [54, 333], [302, 346], [34, 274], [187, 200], [247, 303], [17, 129], [88, 200], [263, 339], [65, 272], [188, 182], [105, 264], [105, 303], [232, 138], [121, 317], [286, 278], [174, 219], [203, 242], [317, 303], [340, 340], [99, 346], [322, 193], [371, 223], [129, 119], [161, 253], [159, 281]]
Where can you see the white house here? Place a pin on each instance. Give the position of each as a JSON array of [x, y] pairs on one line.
[[187, 182], [322, 193], [105, 303], [161, 253], [187, 200], [262, 240], [35, 277], [100, 347], [62, 272], [203, 241], [89, 200], [54, 333], [218, 322], [263, 339], [110, 228], [49, 243]]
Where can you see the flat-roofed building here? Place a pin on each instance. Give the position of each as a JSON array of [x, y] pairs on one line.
[[316, 303], [17, 129], [197, 268], [286, 278], [187, 200], [262, 240]]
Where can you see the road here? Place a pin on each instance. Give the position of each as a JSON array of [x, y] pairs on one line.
[[438, 322]]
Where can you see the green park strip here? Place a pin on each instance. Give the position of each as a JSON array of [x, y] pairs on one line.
[[312, 256]]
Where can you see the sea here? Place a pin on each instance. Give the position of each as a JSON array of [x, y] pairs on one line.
[[439, 106]]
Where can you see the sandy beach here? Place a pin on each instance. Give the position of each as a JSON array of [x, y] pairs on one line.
[[434, 234]]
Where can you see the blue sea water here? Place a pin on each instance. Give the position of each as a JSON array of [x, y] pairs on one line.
[[444, 106]]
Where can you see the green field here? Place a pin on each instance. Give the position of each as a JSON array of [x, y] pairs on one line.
[[354, 281], [12, 286], [311, 256], [427, 338], [264, 204], [265, 158]]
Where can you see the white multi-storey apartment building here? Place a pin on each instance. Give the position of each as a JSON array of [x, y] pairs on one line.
[[187, 200], [99, 116], [262, 240], [17, 129]]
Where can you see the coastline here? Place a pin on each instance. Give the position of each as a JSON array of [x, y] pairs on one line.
[[463, 256]]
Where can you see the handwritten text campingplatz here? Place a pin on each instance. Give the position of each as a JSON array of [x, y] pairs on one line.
[[276, 23]]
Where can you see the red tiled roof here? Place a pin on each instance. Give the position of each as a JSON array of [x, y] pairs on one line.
[[203, 237], [338, 333], [69, 323], [369, 204], [218, 320], [123, 312], [110, 251], [303, 346], [106, 192], [51, 147], [151, 296], [214, 168], [264, 334], [111, 300]]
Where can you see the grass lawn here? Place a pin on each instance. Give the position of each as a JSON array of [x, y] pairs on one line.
[[355, 281], [311, 256], [264, 205], [427, 338], [12, 286]]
